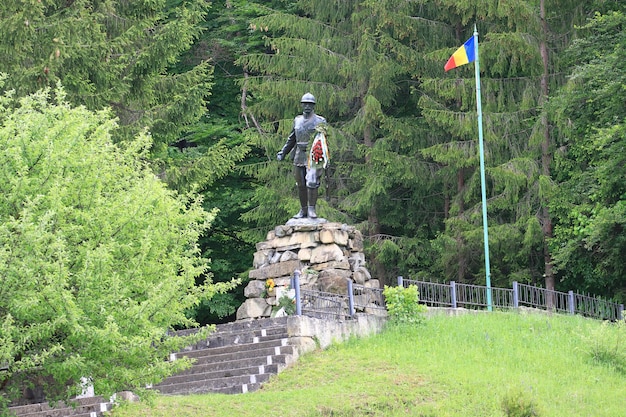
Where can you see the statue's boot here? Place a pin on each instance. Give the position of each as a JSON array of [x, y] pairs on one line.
[[312, 194], [303, 196], [301, 214]]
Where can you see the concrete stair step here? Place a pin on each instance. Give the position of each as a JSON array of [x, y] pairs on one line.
[[244, 326], [241, 363], [212, 385], [241, 326], [85, 407], [237, 389], [203, 357], [227, 338], [244, 347], [237, 338], [273, 368]]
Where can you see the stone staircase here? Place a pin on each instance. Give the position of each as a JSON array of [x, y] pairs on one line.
[[84, 407], [237, 358]]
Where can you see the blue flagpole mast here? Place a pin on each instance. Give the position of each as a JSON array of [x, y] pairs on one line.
[[479, 110]]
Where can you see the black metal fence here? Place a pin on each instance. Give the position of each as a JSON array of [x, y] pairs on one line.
[[456, 295], [361, 298], [319, 304], [367, 298], [323, 305]]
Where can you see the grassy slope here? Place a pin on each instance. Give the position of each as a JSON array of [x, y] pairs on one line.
[[450, 366]]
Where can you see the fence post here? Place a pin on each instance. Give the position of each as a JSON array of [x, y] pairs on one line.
[[453, 293], [296, 286], [620, 312], [571, 308], [400, 283], [515, 295], [350, 298]]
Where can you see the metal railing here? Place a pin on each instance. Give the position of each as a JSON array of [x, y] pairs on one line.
[[360, 298], [475, 296], [326, 305], [367, 299], [433, 294], [596, 307]]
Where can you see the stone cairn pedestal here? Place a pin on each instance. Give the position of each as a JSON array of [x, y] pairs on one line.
[[327, 255]]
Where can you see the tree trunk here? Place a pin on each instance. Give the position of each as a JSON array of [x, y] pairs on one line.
[[373, 222], [546, 157]]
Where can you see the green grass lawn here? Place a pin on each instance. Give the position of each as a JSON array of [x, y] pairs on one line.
[[469, 365]]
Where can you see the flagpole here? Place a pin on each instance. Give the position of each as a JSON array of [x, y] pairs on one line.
[[479, 110]]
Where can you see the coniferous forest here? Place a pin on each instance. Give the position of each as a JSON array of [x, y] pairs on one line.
[[202, 95]]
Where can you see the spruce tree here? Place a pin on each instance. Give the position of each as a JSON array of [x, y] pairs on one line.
[[358, 59], [517, 74], [110, 54]]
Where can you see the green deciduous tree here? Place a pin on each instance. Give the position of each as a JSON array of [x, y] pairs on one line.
[[590, 205], [98, 259]]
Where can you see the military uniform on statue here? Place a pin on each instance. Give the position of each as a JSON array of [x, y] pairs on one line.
[[309, 161]]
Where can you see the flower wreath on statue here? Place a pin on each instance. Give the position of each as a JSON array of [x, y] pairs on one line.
[[319, 157]]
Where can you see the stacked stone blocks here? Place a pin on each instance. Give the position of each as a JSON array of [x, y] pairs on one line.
[[327, 255]]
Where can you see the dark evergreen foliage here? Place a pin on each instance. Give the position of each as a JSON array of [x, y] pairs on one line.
[[218, 87]]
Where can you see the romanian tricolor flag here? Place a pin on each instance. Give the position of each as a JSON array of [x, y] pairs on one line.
[[464, 55]]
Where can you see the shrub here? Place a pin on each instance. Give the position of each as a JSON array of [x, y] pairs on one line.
[[403, 304], [607, 345], [517, 403]]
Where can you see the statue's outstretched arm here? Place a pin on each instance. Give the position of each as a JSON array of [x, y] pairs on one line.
[[291, 142]]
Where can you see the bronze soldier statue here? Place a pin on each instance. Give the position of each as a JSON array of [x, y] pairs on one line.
[[307, 174]]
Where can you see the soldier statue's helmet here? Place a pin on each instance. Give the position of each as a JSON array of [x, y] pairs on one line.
[[308, 98]]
